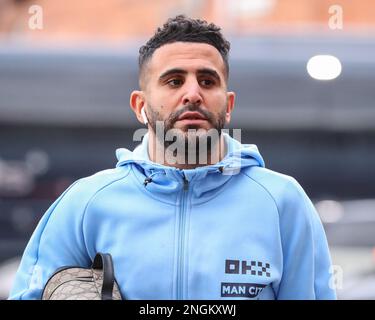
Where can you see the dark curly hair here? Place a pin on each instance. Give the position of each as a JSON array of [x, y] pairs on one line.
[[185, 29]]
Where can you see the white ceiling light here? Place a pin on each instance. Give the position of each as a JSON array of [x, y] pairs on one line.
[[330, 211], [254, 8], [324, 67]]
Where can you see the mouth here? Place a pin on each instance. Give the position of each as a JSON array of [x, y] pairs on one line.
[[192, 118]]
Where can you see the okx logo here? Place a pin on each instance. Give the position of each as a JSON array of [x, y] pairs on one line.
[[247, 290], [255, 268]]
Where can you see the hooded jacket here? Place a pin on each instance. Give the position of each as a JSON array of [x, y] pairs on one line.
[[233, 230]]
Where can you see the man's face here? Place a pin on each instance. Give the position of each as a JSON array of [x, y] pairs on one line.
[[184, 87]]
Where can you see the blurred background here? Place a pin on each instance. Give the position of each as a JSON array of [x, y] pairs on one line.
[[67, 69]]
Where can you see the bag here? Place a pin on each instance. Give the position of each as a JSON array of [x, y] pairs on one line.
[[75, 283]]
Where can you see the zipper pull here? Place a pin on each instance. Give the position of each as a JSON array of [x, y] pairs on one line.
[[186, 184]]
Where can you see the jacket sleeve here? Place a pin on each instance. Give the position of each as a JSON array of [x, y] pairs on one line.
[[57, 241], [306, 257]]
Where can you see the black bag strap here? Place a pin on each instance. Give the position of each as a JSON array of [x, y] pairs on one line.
[[103, 261]]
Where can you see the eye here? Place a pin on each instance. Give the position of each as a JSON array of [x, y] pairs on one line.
[[174, 82], [207, 82]]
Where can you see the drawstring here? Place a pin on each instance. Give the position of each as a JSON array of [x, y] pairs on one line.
[[149, 179]]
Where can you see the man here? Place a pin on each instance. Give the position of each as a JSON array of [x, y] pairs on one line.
[[191, 213]]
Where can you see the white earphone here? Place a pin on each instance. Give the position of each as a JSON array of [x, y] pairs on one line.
[[143, 113]]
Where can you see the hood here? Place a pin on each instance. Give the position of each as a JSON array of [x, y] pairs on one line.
[[238, 156]]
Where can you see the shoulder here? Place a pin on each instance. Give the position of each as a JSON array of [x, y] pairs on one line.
[[285, 190], [274, 182], [104, 178], [83, 190]]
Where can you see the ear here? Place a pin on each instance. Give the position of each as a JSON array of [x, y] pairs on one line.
[[231, 97], [137, 102]]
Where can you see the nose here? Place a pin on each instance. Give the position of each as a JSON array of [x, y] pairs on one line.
[[192, 94]]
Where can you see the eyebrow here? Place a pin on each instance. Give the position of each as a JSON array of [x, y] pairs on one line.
[[173, 71], [210, 72]]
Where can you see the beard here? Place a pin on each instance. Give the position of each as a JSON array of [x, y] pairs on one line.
[[196, 140]]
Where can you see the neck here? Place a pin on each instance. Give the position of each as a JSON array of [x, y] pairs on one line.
[[176, 155]]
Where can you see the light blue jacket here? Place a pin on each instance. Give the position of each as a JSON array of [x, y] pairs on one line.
[[233, 230]]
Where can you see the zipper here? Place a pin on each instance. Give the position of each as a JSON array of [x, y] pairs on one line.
[[181, 240]]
